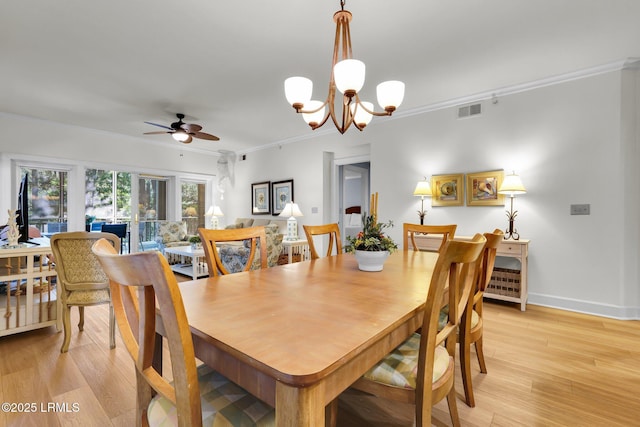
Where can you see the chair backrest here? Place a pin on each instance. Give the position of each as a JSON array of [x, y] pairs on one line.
[[455, 272], [119, 230], [410, 230], [97, 225], [488, 259], [332, 230], [76, 265], [253, 235], [137, 281]]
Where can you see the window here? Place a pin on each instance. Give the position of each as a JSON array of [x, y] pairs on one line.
[[102, 188], [48, 198], [193, 205]]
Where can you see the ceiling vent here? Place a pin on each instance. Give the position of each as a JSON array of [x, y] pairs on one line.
[[469, 110]]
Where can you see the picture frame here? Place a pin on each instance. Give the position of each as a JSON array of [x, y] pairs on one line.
[[447, 190], [482, 188], [261, 198], [282, 192]]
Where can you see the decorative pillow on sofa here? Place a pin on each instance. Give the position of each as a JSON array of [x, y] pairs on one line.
[[234, 226], [246, 222]]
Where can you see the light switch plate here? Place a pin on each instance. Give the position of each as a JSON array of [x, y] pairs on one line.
[[581, 209]]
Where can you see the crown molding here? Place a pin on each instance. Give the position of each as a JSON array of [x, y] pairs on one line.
[[623, 64]]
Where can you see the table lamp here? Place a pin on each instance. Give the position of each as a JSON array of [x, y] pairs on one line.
[[292, 211], [214, 212], [423, 189], [511, 186]]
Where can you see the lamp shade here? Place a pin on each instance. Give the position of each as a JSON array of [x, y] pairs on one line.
[[217, 211], [316, 117], [290, 209], [390, 94], [422, 189], [298, 90], [349, 75], [512, 185], [180, 136], [360, 116]]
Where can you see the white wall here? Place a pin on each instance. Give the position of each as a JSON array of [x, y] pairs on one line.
[[26, 139], [574, 142]]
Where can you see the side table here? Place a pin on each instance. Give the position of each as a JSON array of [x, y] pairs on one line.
[[297, 247]]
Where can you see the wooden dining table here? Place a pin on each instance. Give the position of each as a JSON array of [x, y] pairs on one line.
[[298, 335]]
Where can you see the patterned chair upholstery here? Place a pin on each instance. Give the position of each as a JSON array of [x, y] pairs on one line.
[[172, 234], [234, 257]]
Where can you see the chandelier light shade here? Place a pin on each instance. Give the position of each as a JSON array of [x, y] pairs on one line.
[[347, 77], [423, 189], [512, 186]]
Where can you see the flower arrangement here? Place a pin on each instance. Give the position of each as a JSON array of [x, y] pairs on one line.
[[372, 237], [194, 239]]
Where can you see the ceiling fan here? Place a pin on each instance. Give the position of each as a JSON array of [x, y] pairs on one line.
[[183, 132]]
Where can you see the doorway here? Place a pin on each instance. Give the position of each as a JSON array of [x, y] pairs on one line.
[[354, 179]]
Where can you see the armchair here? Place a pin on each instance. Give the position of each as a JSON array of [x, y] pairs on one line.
[[234, 257], [171, 234]]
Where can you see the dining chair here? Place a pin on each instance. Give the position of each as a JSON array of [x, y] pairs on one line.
[[470, 331], [119, 230], [197, 395], [253, 239], [410, 230], [81, 279], [331, 230], [421, 370]]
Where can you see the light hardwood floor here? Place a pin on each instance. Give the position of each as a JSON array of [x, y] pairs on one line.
[[545, 368]]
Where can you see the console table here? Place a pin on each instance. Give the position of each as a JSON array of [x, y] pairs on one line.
[[28, 297], [507, 284]]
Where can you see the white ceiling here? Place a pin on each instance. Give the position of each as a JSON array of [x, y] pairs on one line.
[[112, 65]]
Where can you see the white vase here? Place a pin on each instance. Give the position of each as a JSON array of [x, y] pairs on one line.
[[371, 260]]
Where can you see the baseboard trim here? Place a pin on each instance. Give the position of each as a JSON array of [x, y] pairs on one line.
[[586, 307]]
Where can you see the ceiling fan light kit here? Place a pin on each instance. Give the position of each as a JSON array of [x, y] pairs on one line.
[[183, 132], [347, 76]]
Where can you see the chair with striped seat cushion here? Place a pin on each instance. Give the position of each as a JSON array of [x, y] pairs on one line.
[[471, 328], [420, 371], [142, 283]]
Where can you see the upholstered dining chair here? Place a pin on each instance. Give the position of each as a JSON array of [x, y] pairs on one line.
[[198, 395], [410, 230], [471, 325], [421, 370], [255, 237], [332, 230], [80, 277]]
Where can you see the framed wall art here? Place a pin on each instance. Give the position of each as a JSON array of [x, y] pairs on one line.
[[261, 198], [447, 190], [282, 193], [482, 188]]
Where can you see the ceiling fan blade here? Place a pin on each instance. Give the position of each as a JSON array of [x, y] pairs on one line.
[[156, 133], [191, 128], [203, 135], [160, 126]]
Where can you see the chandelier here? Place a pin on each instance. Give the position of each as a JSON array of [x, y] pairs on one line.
[[347, 75]]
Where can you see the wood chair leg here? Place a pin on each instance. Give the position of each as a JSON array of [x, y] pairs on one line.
[[331, 413], [453, 407], [480, 354], [66, 324], [465, 371], [81, 322], [112, 327]]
